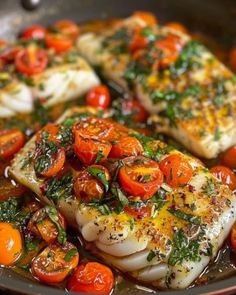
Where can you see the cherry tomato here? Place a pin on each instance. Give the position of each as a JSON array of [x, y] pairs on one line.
[[31, 61], [177, 27], [9, 53], [60, 43], [99, 97], [90, 150], [139, 212], [176, 169], [57, 163], [34, 32], [148, 17], [233, 237], [92, 278], [67, 27], [55, 263], [232, 59], [87, 188], [225, 175], [10, 189], [134, 108], [44, 227], [140, 177], [125, 147], [51, 130], [138, 41], [170, 47], [11, 141], [229, 157], [10, 243]]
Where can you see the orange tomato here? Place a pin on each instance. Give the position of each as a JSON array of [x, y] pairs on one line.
[[140, 177], [59, 42], [92, 278], [10, 189], [176, 169], [55, 263], [52, 131], [233, 237], [177, 27], [229, 157], [232, 59], [11, 141], [138, 41], [10, 244], [67, 27], [148, 17], [225, 175], [125, 147], [57, 163]]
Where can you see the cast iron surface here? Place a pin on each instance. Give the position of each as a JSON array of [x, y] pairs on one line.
[[213, 17]]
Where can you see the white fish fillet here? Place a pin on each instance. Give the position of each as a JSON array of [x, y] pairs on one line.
[[55, 85], [204, 123], [145, 248]]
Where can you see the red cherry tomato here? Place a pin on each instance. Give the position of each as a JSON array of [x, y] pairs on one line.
[[92, 278], [57, 163], [9, 52], [176, 169], [55, 263], [229, 157], [177, 27], [138, 41], [133, 108], [67, 27], [148, 17], [10, 189], [44, 227], [140, 177], [34, 32], [139, 212], [51, 130], [59, 42], [11, 141], [225, 175], [31, 61], [125, 147], [87, 188], [99, 97]]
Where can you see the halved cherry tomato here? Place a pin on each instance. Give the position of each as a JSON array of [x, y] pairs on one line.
[[60, 43], [225, 175], [177, 26], [125, 147], [10, 189], [34, 32], [90, 150], [138, 41], [51, 130], [139, 212], [44, 227], [170, 47], [99, 97], [55, 263], [232, 59], [140, 177], [11, 141], [10, 244], [148, 17], [57, 163], [87, 188], [9, 53], [233, 237], [229, 157], [92, 278], [31, 61], [67, 27], [176, 169], [134, 108]]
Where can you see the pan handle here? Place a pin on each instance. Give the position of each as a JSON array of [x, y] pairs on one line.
[[30, 4]]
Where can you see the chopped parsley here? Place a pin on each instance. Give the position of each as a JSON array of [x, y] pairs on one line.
[[209, 188], [151, 255]]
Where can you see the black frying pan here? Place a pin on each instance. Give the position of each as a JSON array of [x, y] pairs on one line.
[[216, 18]]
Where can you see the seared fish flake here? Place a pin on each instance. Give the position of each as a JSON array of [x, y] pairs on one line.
[[190, 94], [168, 248]]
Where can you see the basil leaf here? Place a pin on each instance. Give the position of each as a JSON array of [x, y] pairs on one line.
[[100, 175], [185, 216]]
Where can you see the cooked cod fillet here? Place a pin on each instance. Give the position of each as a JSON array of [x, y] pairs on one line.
[[61, 82], [192, 98], [168, 249]]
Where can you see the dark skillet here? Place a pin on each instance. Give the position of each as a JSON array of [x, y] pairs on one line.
[[216, 18]]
